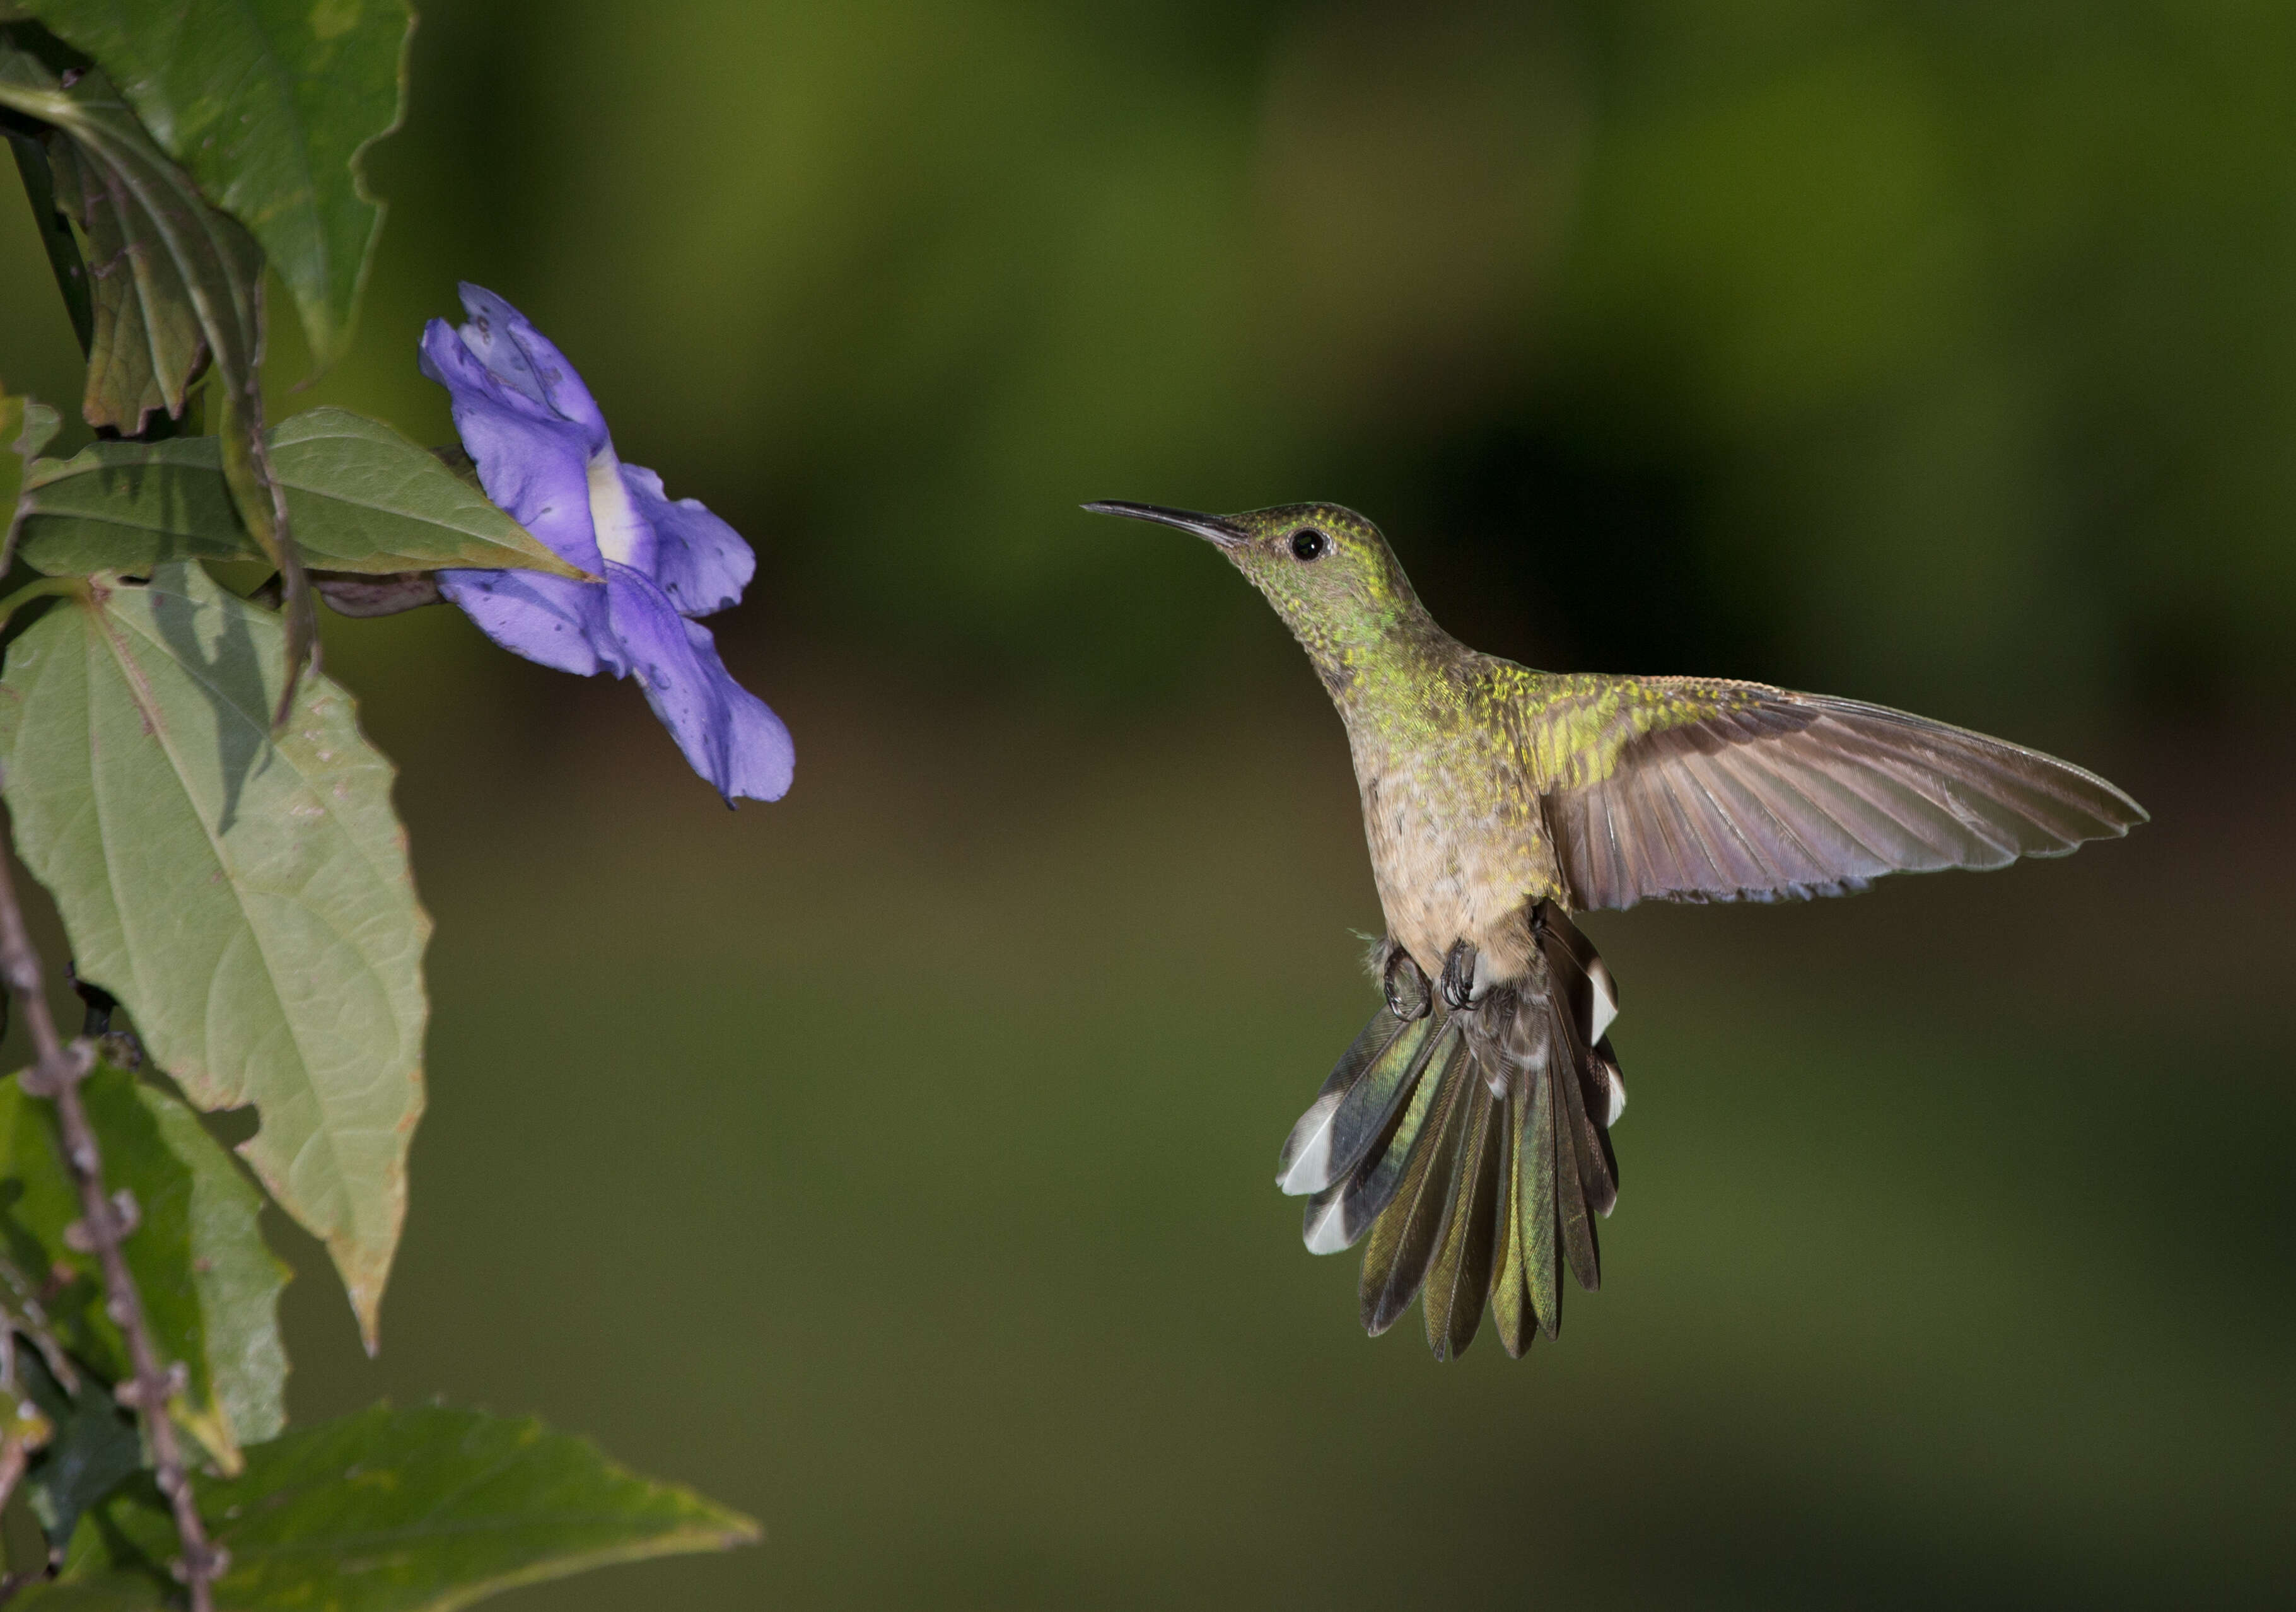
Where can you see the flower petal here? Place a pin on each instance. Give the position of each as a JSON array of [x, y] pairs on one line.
[[728, 734], [530, 461], [506, 341], [554, 622], [698, 561]]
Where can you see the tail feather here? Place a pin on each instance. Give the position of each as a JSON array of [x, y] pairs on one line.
[[1339, 1215], [1598, 1165], [1357, 1103], [1572, 1150], [1508, 1294], [1592, 1087], [1459, 1282], [1404, 1236], [1541, 1226], [1474, 1146]]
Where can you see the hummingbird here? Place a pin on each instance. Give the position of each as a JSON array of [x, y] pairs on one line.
[[1467, 1131]]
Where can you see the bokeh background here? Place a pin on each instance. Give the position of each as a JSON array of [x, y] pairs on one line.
[[894, 1161]]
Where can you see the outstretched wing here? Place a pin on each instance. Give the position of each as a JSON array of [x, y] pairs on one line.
[[1682, 790]]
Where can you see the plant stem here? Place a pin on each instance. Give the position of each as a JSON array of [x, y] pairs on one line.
[[56, 1072], [46, 587]]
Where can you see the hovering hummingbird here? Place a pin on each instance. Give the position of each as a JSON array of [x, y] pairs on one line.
[[1467, 1130]]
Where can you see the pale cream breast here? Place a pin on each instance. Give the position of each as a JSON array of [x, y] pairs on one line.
[[1459, 849]]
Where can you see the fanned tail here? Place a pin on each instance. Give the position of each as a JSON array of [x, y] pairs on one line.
[[1473, 1145]]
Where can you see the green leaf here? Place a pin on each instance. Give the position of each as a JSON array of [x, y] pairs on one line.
[[217, 1309], [423, 1510], [96, 1447], [175, 279], [25, 428], [271, 104], [38, 1198], [245, 893], [210, 1285], [39, 424], [106, 1592], [362, 498], [119, 506]]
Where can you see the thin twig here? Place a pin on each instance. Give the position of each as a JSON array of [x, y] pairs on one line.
[[56, 1072]]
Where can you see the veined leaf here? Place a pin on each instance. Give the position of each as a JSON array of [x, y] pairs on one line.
[[25, 428], [34, 423], [174, 279], [117, 506], [270, 105], [210, 1285], [221, 1298], [245, 893], [362, 498], [423, 1510]]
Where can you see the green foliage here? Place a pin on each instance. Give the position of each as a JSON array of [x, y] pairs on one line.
[[94, 1449], [270, 106], [116, 1592], [361, 498], [210, 1285], [36, 424], [421, 1511], [220, 843], [244, 892], [175, 281], [25, 428]]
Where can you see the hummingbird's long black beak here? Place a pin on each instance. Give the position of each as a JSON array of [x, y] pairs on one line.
[[1208, 527]]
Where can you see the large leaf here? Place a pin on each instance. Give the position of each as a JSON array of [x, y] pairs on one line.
[[246, 895], [270, 104], [210, 1285], [419, 1511], [174, 280], [362, 498]]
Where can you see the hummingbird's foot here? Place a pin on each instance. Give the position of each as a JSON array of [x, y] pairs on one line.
[[1409, 997], [1459, 971]]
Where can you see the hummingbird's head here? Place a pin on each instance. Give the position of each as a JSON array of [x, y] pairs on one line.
[[1327, 570]]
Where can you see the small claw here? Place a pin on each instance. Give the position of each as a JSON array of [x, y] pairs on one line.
[[1408, 997], [1459, 975]]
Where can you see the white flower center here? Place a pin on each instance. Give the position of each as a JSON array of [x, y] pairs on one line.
[[612, 517]]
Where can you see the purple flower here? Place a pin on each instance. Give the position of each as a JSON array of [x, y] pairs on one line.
[[543, 454]]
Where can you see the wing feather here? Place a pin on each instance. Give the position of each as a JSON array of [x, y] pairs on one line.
[[1691, 791]]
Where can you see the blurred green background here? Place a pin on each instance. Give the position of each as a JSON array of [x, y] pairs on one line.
[[894, 1161]]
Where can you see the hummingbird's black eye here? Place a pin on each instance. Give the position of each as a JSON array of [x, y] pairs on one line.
[[1309, 544]]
